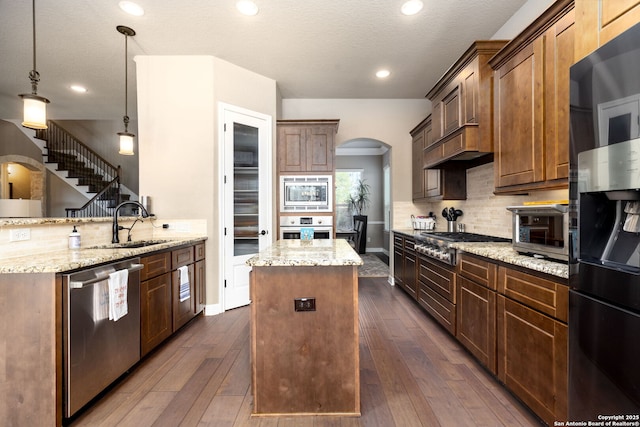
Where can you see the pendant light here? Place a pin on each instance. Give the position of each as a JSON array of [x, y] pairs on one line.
[[126, 138], [35, 107]]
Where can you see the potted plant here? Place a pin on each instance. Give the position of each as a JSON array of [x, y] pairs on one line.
[[358, 202]]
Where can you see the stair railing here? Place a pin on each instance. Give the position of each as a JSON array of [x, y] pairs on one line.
[[101, 204], [60, 142], [61, 145]]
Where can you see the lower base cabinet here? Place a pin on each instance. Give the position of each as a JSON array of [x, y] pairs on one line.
[[155, 312], [437, 291], [533, 341], [161, 311]]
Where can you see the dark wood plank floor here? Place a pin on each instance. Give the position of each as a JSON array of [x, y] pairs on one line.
[[412, 374]]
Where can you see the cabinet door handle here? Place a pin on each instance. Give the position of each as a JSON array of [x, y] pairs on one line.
[[263, 232]]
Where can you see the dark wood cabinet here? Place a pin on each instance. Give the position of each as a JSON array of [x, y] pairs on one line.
[[306, 145], [437, 291], [476, 308], [533, 341], [156, 323], [532, 104], [433, 184], [404, 264], [155, 312], [161, 312], [462, 114], [182, 311]]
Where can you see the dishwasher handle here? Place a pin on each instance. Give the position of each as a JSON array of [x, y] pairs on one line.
[[82, 284]]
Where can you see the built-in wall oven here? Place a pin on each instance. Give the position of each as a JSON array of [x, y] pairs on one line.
[[291, 226], [306, 193]]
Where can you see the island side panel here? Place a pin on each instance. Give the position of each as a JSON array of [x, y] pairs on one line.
[[305, 362], [30, 350]]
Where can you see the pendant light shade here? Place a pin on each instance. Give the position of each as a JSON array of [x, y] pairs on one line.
[[126, 138], [35, 107]]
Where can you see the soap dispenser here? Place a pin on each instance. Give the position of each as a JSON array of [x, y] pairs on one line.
[[74, 239]]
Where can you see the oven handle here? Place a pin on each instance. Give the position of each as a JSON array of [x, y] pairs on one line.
[[81, 284]]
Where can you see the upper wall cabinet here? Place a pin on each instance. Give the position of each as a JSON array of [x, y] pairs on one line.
[[306, 145], [433, 184], [598, 21], [532, 104], [462, 114]]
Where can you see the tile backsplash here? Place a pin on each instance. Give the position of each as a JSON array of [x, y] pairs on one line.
[[484, 212]]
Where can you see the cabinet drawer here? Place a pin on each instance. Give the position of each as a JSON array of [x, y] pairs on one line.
[[410, 245], [439, 278], [544, 295], [155, 265], [479, 270], [200, 254], [397, 241], [181, 257], [440, 308]]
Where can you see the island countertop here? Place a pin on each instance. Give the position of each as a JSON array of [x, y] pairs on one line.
[[317, 252]]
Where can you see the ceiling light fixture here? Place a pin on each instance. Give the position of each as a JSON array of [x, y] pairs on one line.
[[78, 88], [126, 138], [247, 7], [35, 107], [412, 7], [131, 8], [381, 74]]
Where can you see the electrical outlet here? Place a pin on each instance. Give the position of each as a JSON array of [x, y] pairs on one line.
[[368, 239], [304, 304], [19, 234]]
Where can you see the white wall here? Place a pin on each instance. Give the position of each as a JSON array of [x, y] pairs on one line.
[[523, 17], [178, 137]]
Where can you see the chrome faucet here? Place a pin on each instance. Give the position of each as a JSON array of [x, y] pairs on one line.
[[116, 227]]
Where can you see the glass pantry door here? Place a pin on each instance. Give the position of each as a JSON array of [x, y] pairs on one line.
[[247, 198]]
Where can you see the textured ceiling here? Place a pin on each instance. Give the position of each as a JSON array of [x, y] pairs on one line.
[[312, 48]]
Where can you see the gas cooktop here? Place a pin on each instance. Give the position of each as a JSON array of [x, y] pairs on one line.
[[461, 237]]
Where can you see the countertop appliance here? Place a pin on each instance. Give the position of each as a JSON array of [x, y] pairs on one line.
[[437, 244], [96, 350], [541, 230], [604, 268], [306, 193], [290, 226]]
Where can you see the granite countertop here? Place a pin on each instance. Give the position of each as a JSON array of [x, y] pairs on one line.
[[504, 252], [295, 253], [69, 260]]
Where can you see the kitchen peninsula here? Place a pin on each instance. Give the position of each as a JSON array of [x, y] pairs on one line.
[[304, 328], [32, 301]]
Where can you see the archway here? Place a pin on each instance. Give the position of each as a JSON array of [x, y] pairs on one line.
[[371, 160], [30, 174]]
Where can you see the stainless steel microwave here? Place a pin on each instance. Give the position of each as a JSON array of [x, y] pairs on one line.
[[306, 193], [541, 230]]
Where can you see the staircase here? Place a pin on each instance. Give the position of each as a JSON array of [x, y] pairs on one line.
[[99, 179]]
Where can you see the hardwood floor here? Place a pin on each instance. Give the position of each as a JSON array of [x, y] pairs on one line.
[[413, 373]]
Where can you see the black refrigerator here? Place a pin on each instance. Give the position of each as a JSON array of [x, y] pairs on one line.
[[604, 280]]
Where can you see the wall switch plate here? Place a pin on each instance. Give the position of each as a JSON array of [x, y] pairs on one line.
[[304, 304], [19, 234]]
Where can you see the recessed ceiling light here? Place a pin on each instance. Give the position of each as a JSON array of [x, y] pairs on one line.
[[247, 7], [131, 8], [381, 74], [78, 88], [412, 7]]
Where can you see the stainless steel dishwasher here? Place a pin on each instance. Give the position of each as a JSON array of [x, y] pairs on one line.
[[96, 350]]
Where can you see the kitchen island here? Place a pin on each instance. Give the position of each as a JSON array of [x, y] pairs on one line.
[[304, 329]]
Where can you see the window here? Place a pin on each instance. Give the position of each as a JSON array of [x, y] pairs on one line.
[[346, 182]]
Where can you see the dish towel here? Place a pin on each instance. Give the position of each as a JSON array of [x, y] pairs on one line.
[[118, 306], [185, 288]]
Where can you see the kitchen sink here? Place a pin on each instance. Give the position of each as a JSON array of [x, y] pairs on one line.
[[138, 244]]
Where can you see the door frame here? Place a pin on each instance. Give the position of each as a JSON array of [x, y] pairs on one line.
[[268, 171]]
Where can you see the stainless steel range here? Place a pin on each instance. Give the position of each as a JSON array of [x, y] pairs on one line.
[[437, 244]]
